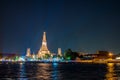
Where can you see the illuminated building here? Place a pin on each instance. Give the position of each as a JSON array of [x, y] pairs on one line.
[[118, 56], [99, 55], [33, 56], [43, 50], [59, 52], [105, 55], [28, 53]]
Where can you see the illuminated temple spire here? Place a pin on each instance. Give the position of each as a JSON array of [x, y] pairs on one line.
[[28, 53], [43, 50], [59, 52]]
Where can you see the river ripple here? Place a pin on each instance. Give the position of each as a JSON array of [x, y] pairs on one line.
[[59, 71]]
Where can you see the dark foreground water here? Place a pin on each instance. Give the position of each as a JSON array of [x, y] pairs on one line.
[[59, 71]]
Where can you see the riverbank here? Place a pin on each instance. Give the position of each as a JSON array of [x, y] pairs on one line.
[[70, 61]]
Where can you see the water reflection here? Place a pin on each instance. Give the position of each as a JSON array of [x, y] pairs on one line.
[[55, 71], [22, 72], [43, 71], [48, 71], [59, 71], [110, 75]]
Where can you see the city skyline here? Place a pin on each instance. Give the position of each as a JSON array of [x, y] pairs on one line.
[[80, 25]]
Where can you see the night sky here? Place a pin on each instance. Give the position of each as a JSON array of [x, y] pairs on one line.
[[82, 25]]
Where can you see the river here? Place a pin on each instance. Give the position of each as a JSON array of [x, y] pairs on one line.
[[59, 71]]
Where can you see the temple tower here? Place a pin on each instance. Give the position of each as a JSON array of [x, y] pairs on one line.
[[43, 50], [28, 53], [59, 52], [33, 55]]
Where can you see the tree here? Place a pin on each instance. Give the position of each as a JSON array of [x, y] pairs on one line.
[[69, 55], [47, 56]]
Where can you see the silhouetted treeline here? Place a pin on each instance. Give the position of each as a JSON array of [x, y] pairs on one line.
[[70, 55]]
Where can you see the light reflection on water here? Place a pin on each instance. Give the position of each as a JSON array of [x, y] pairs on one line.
[[59, 71], [55, 74], [110, 72], [43, 71], [22, 75]]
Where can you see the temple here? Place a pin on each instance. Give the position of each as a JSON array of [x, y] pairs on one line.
[[28, 53], [59, 52], [43, 50]]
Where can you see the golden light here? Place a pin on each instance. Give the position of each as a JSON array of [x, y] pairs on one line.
[[110, 73], [110, 54], [110, 65]]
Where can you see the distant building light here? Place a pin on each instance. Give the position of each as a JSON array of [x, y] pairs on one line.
[[117, 57]]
